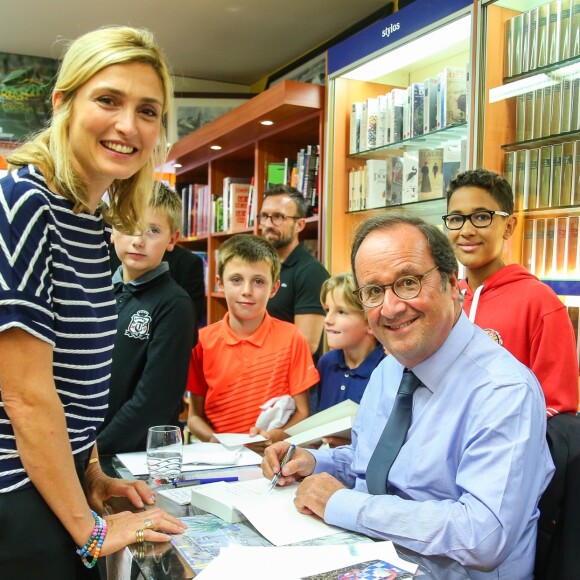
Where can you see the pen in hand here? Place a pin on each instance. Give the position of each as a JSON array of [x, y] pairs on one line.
[[287, 457]]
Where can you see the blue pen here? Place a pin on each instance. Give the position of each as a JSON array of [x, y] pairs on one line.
[[201, 481], [287, 457]]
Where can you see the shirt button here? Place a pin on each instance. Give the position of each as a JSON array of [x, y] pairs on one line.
[[343, 388], [346, 375]]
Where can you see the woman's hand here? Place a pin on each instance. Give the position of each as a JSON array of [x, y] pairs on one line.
[[155, 523], [100, 487]]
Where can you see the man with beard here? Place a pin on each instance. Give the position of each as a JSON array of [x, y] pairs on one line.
[[282, 219]]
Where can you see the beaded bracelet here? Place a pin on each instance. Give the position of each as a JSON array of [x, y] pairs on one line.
[[93, 546]]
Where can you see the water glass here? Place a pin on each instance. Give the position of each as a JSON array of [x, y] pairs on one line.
[[164, 453]]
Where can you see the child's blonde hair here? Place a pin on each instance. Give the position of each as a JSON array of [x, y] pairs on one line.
[[250, 249], [166, 200], [344, 282]]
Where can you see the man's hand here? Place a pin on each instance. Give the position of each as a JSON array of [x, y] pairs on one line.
[[301, 464], [314, 493], [100, 487]]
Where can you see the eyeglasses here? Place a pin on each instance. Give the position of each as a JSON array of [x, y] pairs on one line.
[[406, 288], [276, 218], [479, 219]]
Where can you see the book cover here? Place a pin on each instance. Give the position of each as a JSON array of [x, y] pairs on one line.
[[382, 121], [395, 127], [430, 174], [567, 173], [524, 113], [545, 177], [575, 29], [430, 104], [556, 175], [528, 245], [407, 114], [573, 262], [344, 409], [451, 164], [517, 44], [509, 47], [543, 42], [508, 167], [550, 235], [275, 174], [417, 102], [560, 251], [394, 180], [540, 247], [455, 98], [372, 116], [533, 42], [376, 183], [525, 42], [519, 189], [239, 197], [533, 173], [556, 116], [410, 191], [440, 99], [538, 113], [355, 122], [363, 143], [566, 108], [547, 111], [565, 28], [554, 32]]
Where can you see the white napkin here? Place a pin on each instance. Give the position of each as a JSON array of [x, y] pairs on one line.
[[276, 412]]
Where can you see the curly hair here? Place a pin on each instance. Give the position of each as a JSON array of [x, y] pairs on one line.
[[494, 184]]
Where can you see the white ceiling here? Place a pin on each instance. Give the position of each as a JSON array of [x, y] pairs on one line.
[[235, 41]]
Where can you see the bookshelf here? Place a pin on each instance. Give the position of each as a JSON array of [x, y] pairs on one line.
[[295, 111], [385, 68], [529, 123]]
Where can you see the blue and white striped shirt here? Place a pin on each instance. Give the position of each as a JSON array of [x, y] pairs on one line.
[[55, 282]]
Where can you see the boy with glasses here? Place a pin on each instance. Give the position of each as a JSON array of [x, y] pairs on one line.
[[517, 310]]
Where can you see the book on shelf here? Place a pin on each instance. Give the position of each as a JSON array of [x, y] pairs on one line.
[[251, 206], [394, 180], [509, 47], [549, 247], [229, 207], [556, 116], [543, 40], [528, 245], [430, 87], [539, 247], [525, 67], [521, 116], [575, 29], [376, 183], [566, 107], [546, 111], [396, 100], [430, 173], [275, 174], [561, 241], [565, 28], [451, 164], [508, 167], [567, 173], [556, 175], [517, 41], [519, 189], [334, 421], [573, 255], [416, 98], [217, 213], [533, 40], [239, 195], [355, 123], [370, 122], [453, 81], [381, 121], [554, 31], [575, 195], [538, 113], [532, 163], [545, 177], [410, 191]]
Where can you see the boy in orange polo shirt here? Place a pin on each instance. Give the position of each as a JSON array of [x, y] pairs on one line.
[[249, 357]]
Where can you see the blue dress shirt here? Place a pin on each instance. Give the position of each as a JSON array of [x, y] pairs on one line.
[[468, 479], [339, 382]]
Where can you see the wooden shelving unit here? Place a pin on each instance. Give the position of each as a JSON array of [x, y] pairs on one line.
[[296, 111]]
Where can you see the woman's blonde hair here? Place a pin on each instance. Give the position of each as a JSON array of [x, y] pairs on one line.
[[49, 149], [344, 282]]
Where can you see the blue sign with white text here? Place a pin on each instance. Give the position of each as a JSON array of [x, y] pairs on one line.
[[408, 20]]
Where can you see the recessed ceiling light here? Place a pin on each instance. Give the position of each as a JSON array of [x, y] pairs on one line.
[[177, 165], [216, 147], [266, 122]]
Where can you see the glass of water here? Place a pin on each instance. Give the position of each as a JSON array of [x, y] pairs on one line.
[[164, 453]]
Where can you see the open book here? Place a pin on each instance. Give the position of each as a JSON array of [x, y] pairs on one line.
[[272, 513], [335, 421]]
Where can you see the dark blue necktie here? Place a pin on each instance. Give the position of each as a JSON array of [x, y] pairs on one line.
[[393, 435]]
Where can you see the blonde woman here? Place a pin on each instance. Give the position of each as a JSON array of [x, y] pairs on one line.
[[57, 309]]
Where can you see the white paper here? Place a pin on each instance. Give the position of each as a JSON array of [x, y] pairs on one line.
[[234, 440], [298, 561], [196, 457], [272, 513]]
